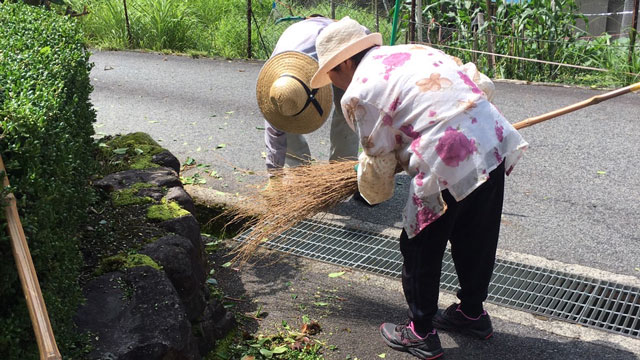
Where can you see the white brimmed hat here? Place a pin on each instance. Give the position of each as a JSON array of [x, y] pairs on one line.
[[338, 42], [285, 97]]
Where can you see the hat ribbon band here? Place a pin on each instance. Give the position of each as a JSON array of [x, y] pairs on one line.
[[311, 96]]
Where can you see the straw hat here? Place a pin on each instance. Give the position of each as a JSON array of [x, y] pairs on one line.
[[284, 95], [338, 42]]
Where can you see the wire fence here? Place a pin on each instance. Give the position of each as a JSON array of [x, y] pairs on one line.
[[613, 17], [501, 41]]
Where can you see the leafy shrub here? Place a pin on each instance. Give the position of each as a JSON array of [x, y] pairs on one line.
[[46, 129]]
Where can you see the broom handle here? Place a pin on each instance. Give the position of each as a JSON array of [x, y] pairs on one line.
[[30, 286], [582, 104]]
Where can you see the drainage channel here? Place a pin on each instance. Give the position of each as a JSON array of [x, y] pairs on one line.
[[594, 303]]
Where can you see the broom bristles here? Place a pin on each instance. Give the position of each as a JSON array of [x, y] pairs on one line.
[[292, 195]]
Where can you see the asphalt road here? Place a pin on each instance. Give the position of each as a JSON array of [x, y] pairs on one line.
[[573, 198]]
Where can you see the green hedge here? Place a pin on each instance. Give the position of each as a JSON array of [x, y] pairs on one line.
[[46, 128]]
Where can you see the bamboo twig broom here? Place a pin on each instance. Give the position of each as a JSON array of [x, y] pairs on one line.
[[299, 193]]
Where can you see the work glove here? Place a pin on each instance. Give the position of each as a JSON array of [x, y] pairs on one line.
[[376, 177]]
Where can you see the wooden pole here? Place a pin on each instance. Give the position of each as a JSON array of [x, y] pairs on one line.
[[28, 278], [248, 29], [582, 104]]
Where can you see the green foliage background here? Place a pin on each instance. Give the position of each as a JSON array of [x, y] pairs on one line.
[[535, 29], [46, 128]]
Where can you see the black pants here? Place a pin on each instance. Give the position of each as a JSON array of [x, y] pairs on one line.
[[472, 225]]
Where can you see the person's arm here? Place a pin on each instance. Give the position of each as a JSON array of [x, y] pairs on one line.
[[276, 146]]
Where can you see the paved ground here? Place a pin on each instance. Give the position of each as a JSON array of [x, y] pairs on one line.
[[571, 203]]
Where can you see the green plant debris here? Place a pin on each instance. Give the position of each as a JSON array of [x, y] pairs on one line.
[[124, 261], [129, 196], [194, 179], [286, 343], [167, 210]]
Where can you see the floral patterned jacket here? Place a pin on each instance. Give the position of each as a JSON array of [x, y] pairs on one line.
[[421, 105]]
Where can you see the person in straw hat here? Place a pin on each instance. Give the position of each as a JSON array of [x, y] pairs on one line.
[[418, 107], [291, 108]]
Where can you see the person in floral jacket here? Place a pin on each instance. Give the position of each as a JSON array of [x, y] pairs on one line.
[[416, 106]]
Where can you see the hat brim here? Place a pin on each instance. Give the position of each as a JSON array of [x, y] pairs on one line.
[[303, 67], [321, 77]]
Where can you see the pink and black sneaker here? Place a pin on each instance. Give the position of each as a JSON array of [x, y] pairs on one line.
[[404, 338], [453, 319]]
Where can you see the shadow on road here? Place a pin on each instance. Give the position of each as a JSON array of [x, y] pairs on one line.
[[350, 308]]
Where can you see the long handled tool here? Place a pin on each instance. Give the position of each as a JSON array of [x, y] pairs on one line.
[[579, 105], [29, 279]]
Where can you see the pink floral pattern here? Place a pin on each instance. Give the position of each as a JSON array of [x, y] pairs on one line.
[[454, 147], [408, 130], [394, 105], [387, 120], [499, 132], [468, 82], [419, 178], [415, 148], [416, 200], [424, 215], [496, 153], [393, 61]]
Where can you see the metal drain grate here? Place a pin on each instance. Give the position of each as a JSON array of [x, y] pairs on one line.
[[591, 302]]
